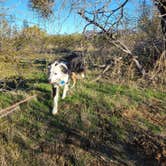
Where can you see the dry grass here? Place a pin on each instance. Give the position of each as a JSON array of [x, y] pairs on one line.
[[99, 123]]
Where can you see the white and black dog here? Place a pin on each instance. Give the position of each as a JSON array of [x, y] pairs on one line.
[[61, 72]]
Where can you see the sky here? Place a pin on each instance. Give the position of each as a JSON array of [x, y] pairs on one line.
[[20, 11], [72, 24]]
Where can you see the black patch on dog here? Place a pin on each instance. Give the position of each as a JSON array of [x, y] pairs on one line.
[[56, 64], [64, 69], [54, 90], [74, 62]]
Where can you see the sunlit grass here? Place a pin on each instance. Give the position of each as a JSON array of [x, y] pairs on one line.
[[94, 109]]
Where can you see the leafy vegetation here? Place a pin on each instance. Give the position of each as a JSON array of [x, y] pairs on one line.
[[112, 117], [95, 123]]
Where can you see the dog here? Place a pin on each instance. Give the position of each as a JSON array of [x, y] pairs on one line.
[[61, 72]]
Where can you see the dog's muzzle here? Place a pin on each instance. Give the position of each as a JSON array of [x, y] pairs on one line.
[[49, 81], [58, 82]]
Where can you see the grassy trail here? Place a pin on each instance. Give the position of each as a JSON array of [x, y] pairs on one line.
[[97, 124]]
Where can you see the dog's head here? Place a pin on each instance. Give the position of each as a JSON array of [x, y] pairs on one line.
[[58, 73]]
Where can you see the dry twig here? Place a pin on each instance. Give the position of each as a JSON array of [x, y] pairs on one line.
[[12, 108]]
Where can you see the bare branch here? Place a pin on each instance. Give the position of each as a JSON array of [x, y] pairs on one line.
[[117, 43], [103, 72], [10, 109], [161, 5]]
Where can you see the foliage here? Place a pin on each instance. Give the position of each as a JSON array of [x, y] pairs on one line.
[[44, 7], [117, 120]]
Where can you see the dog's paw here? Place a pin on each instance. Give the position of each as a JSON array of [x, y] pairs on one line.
[[54, 112], [63, 97]]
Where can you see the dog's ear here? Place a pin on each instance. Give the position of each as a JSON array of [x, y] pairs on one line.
[[49, 65], [64, 69]]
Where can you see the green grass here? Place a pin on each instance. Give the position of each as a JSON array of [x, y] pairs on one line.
[[90, 119], [9, 98]]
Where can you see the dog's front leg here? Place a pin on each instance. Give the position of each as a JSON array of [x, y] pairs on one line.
[[55, 96], [66, 88]]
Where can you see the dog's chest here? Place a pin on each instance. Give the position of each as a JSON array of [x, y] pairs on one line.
[[60, 78]]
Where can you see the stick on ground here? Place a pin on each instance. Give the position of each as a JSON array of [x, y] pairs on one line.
[[12, 108]]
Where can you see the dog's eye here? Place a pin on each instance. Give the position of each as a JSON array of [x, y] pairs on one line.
[[63, 69], [55, 73]]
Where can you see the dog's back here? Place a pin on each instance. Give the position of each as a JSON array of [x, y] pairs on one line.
[[74, 62]]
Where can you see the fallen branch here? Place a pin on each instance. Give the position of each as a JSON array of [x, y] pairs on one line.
[[112, 40], [12, 108], [104, 71], [139, 66], [3, 90], [106, 68], [99, 66]]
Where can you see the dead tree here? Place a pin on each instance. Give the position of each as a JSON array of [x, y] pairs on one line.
[[161, 5], [102, 18], [104, 15]]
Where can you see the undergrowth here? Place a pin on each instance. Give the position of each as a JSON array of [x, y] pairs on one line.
[[96, 125]]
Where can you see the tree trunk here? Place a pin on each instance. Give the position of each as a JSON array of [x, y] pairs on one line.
[[161, 5]]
